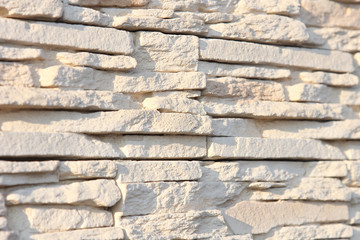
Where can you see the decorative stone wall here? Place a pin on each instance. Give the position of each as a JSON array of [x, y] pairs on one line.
[[179, 119]]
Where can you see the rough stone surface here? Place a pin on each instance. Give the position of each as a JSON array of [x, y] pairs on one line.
[[353, 177], [11, 179], [325, 13], [335, 38], [3, 223], [154, 171], [282, 7], [261, 27], [189, 225], [174, 25], [56, 34], [327, 231], [21, 97], [245, 216], [15, 74], [102, 193], [34, 219], [87, 78], [47, 9], [174, 104], [2, 205], [351, 149], [304, 92], [167, 53], [8, 53], [326, 169], [8, 235], [309, 189], [235, 107], [223, 70], [242, 52], [82, 146], [123, 3], [346, 129], [234, 127], [245, 89], [274, 171], [331, 79], [162, 197], [123, 121], [83, 15], [7, 167], [87, 169], [354, 214], [259, 148], [95, 234], [98, 61]]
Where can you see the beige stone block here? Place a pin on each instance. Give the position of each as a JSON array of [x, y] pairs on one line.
[[173, 25], [234, 127], [325, 169], [330, 130], [97, 193], [214, 69], [260, 148], [118, 12], [244, 52], [122, 3], [46, 9], [235, 107], [103, 233], [261, 28], [97, 61], [73, 145], [245, 89], [10, 53], [167, 53], [252, 171], [119, 122], [57, 35], [281, 7], [21, 97], [353, 177], [174, 104], [12, 179], [37, 219], [155, 171], [188, 225], [170, 197], [325, 13], [350, 148], [8, 167], [326, 231], [309, 189], [83, 15], [16, 74], [261, 217], [331, 79], [89, 169]]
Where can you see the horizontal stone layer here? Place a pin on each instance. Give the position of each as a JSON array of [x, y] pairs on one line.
[[8, 167], [57, 35], [213, 69], [9, 53], [35, 98], [155, 171], [164, 197], [260, 148], [87, 169], [236, 107], [123, 3], [97, 193], [16, 74], [244, 216], [243, 52], [13, 179], [189, 225], [74, 145], [331, 79], [119, 122]]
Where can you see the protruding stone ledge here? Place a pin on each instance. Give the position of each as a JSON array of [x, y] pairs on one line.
[[260, 148], [244, 52]]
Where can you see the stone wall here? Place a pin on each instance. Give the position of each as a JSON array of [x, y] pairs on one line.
[[179, 119]]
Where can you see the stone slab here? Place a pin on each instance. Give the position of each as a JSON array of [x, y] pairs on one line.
[[260, 148], [119, 122], [244, 216], [331, 79], [8, 167], [12, 179], [16, 74], [56, 35], [235, 127], [11, 53], [96, 193], [33, 98], [73, 145], [155, 171], [87, 169], [235, 107], [243, 52]]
